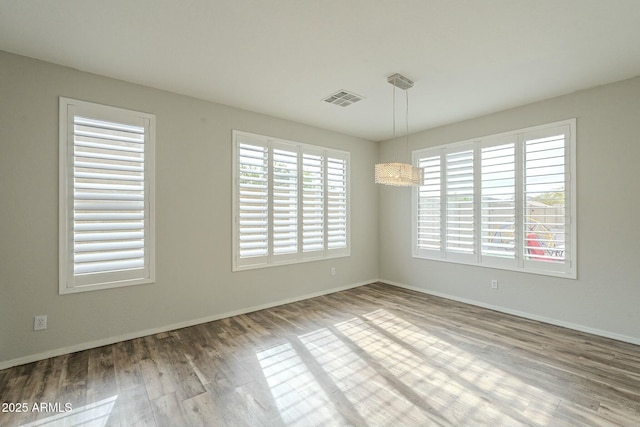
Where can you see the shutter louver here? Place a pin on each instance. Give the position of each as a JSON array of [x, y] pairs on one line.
[[312, 202], [108, 196], [498, 215], [428, 221], [544, 196], [460, 203], [253, 204], [337, 203], [285, 202]]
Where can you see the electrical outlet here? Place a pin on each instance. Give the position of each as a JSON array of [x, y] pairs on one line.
[[40, 323], [494, 284], [333, 271]]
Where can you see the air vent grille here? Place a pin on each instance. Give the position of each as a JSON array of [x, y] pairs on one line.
[[343, 98]]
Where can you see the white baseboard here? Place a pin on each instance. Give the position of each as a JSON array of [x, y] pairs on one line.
[[551, 321], [112, 340]]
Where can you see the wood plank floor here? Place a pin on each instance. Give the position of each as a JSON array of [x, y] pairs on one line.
[[376, 355]]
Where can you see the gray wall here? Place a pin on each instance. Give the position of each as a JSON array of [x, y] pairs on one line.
[[606, 297], [193, 203], [193, 216]]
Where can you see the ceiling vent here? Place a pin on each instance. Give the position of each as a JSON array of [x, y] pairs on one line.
[[343, 98]]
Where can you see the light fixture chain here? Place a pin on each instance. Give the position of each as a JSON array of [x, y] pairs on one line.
[[393, 140], [406, 92]]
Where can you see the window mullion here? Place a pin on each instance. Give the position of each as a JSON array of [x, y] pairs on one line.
[[477, 202], [415, 191], [325, 199], [519, 196], [269, 202], [300, 205], [443, 203]]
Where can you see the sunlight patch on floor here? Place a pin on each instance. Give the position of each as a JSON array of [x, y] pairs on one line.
[[297, 394]]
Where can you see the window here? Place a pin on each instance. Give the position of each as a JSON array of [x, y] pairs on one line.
[[106, 197], [504, 201], [290, 202]]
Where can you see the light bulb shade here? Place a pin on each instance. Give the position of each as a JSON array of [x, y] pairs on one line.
[[398, 174]]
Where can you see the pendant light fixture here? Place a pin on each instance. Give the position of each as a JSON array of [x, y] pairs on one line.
[[396, 173]]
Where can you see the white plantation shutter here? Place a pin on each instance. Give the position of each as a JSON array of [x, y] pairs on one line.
[[291, 202], [253, 220], [106, 189], [498, 192], [429, 205], [336, 203], [313, 218], [545, 219], [460, 229], [285, 199], [108, 182], [504, 201]]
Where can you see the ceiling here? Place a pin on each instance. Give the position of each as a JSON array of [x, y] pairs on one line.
[[283, 57]]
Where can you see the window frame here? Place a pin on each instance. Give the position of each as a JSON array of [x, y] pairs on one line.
[[520, 262], [69, 282], [271, 259]]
